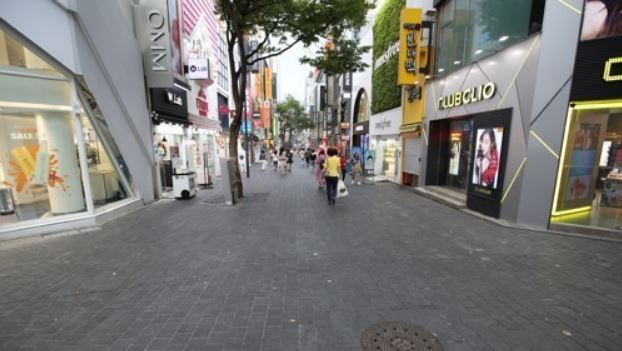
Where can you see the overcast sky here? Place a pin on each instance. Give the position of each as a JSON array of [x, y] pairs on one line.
[[292, 74]]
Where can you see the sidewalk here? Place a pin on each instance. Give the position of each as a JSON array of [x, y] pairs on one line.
[[284, 271]]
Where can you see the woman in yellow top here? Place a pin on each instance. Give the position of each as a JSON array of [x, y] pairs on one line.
[[332, 170]]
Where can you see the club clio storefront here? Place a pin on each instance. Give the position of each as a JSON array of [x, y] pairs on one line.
[[588, 192], [473, 129]]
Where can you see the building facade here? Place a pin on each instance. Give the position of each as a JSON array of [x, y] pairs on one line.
[[521, 118], [76, 144]]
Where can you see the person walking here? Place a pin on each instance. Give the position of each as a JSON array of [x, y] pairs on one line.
[[343, 163], [312, 158], [319, 169], [282, 161], [262, 159], [275, 160], [356, 169], [307, 157], [290, 160], [332, 171]]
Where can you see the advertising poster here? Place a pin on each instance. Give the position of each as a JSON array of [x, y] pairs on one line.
[[175, 28], [455, 148], [487, 160], [602, 19], [582, 161]]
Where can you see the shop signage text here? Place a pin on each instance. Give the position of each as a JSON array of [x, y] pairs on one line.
[[174, 98], [468, 96], [198, 68], [410, 37], [152, 28], [383, 124], [388, 54], [607, 76], [158, 50]]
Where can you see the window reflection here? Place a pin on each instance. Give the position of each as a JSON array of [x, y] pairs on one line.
[[472, 29]]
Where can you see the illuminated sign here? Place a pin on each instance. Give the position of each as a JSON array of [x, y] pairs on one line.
[[607, 76], [468, 96]]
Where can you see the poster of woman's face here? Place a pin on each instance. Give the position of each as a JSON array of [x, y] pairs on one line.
[[487, 155], [455, 147], [602, 19]]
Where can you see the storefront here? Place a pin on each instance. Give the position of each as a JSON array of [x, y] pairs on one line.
[[60, 166], [474, 134], [386, 145], [588, 191], [173, 139]]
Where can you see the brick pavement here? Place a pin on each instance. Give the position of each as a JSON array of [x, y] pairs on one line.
[[283, 271]]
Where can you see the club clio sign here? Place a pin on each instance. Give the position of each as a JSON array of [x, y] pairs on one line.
[[152, 28], [467, 96]]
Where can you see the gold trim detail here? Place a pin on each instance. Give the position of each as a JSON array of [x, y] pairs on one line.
[[544, 144], [520, 168], [533, 45], [571, 7]]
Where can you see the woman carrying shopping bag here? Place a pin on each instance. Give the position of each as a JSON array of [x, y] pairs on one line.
[[332, 171]]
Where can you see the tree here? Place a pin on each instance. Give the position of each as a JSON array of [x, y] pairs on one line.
[[278, 25], [292, 117]]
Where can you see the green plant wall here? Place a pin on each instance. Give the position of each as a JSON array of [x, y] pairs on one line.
[[386, 94]]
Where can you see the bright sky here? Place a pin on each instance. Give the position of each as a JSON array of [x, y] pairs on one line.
[[291, 74]]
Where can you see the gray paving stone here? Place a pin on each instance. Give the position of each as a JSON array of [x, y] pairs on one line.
[[287, 272]]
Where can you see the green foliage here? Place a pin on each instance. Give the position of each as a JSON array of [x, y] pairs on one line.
[[291, 115], [344, 58], [386, 94]]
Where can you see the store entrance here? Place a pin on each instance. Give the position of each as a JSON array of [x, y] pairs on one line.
[[459, 151], [449, 152], [589, 190]]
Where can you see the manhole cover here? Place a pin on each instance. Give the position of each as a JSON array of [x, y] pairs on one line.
[[398, 336]]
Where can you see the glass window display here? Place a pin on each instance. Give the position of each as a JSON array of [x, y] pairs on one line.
[[39, 167], [42, 157], [106, 184]]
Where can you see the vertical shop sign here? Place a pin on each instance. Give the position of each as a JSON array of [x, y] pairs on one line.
[[152, 29], [268, 83], [410, 37]]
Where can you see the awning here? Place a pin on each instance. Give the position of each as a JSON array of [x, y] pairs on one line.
[[410, 128]]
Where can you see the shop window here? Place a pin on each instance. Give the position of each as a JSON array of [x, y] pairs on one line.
[[469, 30], [589, 185], [101, 127], [40, 173], [106, 184]]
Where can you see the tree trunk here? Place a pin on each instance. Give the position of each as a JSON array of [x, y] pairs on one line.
[[238, 90]]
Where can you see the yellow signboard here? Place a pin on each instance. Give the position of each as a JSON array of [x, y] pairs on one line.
[[410, 41], [268, 83]]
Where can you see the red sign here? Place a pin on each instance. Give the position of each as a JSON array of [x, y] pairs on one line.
[[223, 109], [203, 107]]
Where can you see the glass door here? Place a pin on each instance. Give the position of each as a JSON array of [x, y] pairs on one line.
[[459, 151]]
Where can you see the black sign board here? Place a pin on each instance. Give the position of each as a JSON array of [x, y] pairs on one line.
[[489, 149], [170, 104], [598, 70], [346, 84]]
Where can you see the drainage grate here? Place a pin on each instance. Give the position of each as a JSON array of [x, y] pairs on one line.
[[398, 336]]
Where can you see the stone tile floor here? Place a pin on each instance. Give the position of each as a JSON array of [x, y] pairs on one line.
[[284, 271]]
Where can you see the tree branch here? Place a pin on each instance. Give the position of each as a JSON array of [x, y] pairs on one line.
[[276, 53]]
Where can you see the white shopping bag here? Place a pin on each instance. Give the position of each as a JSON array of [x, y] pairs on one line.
[[342, 191]]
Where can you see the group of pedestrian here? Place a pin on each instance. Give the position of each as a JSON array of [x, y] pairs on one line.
[[282, 160]]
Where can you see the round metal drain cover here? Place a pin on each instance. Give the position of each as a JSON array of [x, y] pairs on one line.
[[398, 336]]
